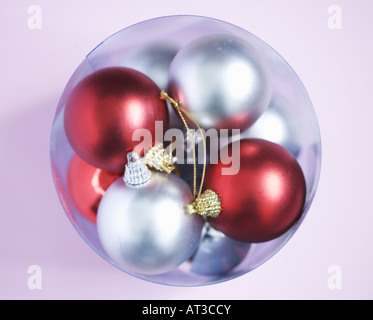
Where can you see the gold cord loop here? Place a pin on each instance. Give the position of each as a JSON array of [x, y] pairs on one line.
[[208, 203]]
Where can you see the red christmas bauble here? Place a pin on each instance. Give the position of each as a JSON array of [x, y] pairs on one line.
[[264, 198], [87, 185], [104, 110]]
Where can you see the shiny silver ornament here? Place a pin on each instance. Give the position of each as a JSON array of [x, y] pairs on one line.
[[278, 124], [154, 60], [146, 230], [216, 253], [224, 80]]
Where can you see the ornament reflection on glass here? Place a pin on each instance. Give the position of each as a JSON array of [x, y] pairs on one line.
[[223, 80], [87, 185], [104, 110], [145, 229], [216, 253]]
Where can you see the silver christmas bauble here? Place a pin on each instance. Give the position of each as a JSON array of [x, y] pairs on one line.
[[145, 230], [278, 124], [217, 254], [154, 60], [224, 80]]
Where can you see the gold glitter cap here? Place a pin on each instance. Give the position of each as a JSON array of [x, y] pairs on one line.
[[207, 204], [158, 159]]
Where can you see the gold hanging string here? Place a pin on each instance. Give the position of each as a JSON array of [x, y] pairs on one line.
[[180, 109], [170, 147], [209, 203]]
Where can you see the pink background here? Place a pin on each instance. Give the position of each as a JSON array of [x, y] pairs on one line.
[[336, 67]]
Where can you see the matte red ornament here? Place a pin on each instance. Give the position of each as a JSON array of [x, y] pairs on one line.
[[104, 110], [87, 185], [265, 198]]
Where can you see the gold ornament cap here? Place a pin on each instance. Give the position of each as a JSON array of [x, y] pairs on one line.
[[207, 204], [158, 159]]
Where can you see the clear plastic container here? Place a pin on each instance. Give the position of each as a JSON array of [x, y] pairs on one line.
[[149, 47]]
